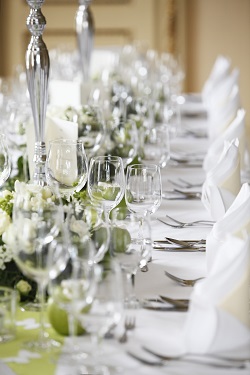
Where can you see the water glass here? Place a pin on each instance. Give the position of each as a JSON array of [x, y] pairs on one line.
[[8, 300], [130, 245], [67, 165], [143, 190], [106, 182], [156, 148]]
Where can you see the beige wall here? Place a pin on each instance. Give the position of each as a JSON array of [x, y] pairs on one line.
[[116, 22], [217, 27], [204, 29]]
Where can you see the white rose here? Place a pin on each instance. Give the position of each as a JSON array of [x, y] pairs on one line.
[[46, 193], [79, 227], [8, 236], [4, 221]]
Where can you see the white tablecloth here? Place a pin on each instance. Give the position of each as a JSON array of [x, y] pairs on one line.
[[163, 331]]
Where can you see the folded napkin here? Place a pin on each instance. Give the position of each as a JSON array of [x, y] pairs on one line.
[[219, 119], [220, 70], [219, 97], [236, 130], [54, 128], [65, 93], [218, 318], [222, 183], [235, 221]]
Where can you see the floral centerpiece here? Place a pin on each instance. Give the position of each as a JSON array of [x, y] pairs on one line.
[[10, 274], [82, 218]]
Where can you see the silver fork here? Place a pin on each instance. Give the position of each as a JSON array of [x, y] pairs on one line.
[[184, 225], [181, 281], [191, 223], [129, 324], [185, 184]]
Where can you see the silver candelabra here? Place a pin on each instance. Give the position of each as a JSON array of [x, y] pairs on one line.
[[37, 71], [85, 36]]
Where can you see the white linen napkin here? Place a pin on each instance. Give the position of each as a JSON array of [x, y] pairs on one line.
[[54, 128], [218, 317], [222, 183], [235, 221], [220, 94], [220, 70], [65, 93], [236, 130], [220, 119]]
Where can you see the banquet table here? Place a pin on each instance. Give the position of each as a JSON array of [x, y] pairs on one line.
[[162, 331]]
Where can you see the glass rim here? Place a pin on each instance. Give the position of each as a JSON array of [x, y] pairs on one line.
[[143, 166], [66, 141], [106, 157]]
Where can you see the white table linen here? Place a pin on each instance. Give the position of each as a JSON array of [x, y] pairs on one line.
[[222, 182], [236, 130], [218, 320]]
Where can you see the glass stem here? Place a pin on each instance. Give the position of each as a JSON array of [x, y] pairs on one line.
[[41, 290], [72, 325], [130, 289]]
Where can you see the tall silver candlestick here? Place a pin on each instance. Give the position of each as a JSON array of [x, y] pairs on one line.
[[85, 36], [37, 70]]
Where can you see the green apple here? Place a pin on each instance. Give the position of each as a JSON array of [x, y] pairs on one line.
[[58, 318], [120, 239]]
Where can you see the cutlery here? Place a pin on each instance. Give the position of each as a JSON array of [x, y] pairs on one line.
[[182, 194], [208, 360], [161, 303], [184, 243], [164, 308], [178, 198], [129, 324], [185, 165], [181, 281], [195, 194], [185, 225], [177, 302], [192, 157], [185, 184], [162, 247], [207, 222]]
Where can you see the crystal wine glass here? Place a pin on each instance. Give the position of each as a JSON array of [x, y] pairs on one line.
[[37, 222], [131, 245], [143, 191], [5, 163], [156, 146], [74, 286], [86, 223], [67, 165], [104, 313], [106, 182]]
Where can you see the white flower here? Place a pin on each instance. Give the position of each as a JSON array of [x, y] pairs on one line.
[[24, 235], [79, 227], [31, 196], [8, 236], [4, 221]]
